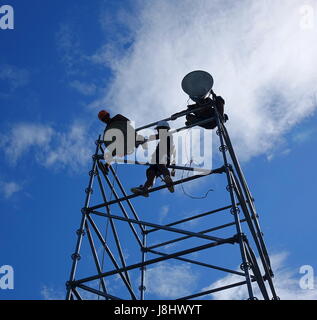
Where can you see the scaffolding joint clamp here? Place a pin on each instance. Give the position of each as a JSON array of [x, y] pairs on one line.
[[89, 190], [84, 210], [245, 266], [223, 148], [69, 285], [142, 288], [98, 142], [144, 249], [93, 173], [76, 256], [80, 232], [240, 236], [235, 210], [97, 157]]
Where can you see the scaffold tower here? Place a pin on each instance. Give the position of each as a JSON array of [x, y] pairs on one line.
[[120, 247]]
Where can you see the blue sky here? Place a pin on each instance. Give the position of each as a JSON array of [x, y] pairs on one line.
[[65, 59]]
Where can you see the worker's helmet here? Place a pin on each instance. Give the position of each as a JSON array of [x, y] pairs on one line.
[[103, 114], [162, 125]]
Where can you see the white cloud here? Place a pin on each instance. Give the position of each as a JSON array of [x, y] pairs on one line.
[[263, 63], [304, 135], [69, 49], [286, 282], [51, 148], [71, 148], [163, 213], [14, 76], [8, 189], [86, 89], [49, 293], [24, 136], [170, 281]]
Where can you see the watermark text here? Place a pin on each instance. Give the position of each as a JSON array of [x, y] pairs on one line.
[[6, 277], [6, 17]]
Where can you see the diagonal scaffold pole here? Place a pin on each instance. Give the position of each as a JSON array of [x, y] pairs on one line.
[[114, 230], [142, 287], [121, 271], [118, 201]]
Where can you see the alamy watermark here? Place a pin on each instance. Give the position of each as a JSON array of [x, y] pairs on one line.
[[191, 148], [6, 277], [6, 17], [307, 281]]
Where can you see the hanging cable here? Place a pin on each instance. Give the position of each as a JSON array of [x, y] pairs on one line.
[[186, 193], [190, 161]]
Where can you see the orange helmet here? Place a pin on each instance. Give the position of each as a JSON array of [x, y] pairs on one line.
[[103, 114]]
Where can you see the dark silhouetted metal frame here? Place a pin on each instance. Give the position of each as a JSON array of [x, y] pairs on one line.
[[255, 268]]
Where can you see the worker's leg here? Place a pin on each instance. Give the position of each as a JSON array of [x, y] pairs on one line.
[[166, 177], [150, 175]]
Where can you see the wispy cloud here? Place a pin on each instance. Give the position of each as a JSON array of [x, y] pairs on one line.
[[163, 213], [71, 148], [304, 135], [9, 188], [69, 48], [13, 77], [24, 136], [261, 59], [50, 293], [286, 282], [86, 89], [170, 281], [51, 148]]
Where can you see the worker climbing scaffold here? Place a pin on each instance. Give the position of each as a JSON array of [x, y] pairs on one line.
[[120, 138]]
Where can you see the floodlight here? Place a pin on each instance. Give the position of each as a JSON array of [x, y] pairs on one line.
[[197, 84]]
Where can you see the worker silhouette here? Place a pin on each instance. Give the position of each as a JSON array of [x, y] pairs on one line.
[[119, 137], [163, 155], [203, 109]]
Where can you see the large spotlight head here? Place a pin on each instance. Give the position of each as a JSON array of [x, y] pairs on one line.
[[197, 84]]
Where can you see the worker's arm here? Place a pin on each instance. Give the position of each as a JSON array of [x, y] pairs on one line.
[[178, 114], [147, 139], [184, 112]]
